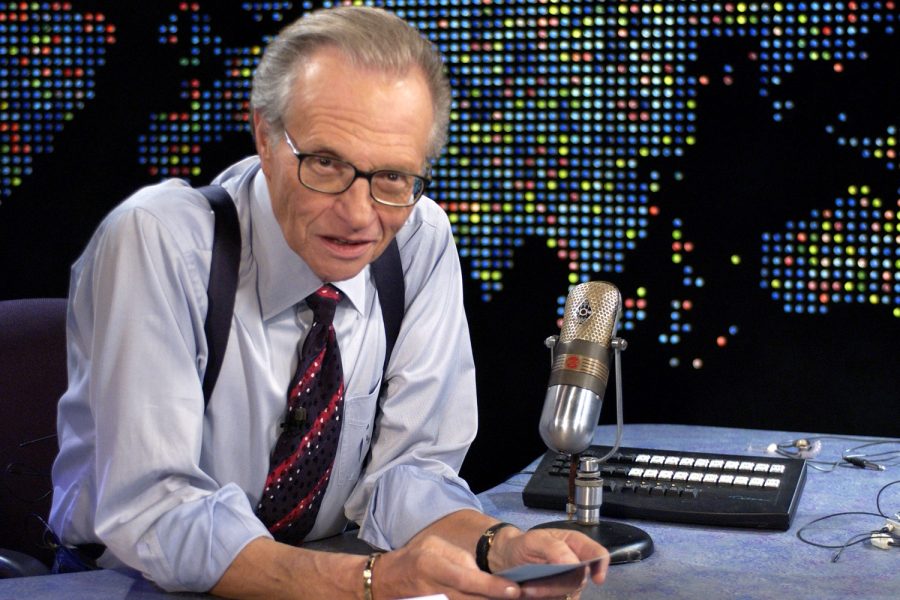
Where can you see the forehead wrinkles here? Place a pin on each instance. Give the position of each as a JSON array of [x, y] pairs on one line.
[[362, 113], [351, 132]]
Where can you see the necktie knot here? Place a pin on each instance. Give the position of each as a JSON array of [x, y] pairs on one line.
[[323, 303]]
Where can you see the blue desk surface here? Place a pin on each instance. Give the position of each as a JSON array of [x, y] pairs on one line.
[[689, 561], [701, 562]]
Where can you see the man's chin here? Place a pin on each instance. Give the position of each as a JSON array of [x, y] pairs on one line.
[[342, 270]]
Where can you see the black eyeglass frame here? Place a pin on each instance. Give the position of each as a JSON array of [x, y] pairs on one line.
[[423, 182]]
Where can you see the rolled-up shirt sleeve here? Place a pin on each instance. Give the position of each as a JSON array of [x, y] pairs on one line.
[[136, 356], [428, 414]]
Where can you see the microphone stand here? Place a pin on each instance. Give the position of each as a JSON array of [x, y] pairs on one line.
[[626, 543]]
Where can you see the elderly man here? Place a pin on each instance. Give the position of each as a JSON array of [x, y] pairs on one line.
[[300, 436]]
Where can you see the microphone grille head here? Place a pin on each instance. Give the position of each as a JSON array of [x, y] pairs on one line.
[[592, 310]]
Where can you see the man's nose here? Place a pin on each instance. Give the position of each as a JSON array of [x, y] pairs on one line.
[[355, 205]]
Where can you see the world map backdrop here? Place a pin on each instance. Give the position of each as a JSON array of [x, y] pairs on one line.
[[731, 166]]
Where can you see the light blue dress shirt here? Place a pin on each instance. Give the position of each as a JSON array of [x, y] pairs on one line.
[[169, 487]]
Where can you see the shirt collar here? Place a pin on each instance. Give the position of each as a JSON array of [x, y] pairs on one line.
[[284, 278]]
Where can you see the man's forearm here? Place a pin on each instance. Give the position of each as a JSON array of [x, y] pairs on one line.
[[439, 559], [267, 569]]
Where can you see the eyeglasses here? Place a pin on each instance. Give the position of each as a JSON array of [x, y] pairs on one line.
[[331, 175]]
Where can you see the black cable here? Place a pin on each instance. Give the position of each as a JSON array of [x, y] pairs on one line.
[[854, 539], [878, 496], [826, 517]]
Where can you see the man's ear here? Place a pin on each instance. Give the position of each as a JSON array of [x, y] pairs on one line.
[[261, 136]]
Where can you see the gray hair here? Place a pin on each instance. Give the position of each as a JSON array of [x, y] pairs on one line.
[[368, 37]]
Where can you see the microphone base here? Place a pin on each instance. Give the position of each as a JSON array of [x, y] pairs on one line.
[[625, 543]]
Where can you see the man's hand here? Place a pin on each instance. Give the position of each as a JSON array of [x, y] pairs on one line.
[[432, 565], [551, 546], [441, 560]]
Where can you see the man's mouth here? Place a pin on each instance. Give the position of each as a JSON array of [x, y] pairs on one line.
[[344, 242]]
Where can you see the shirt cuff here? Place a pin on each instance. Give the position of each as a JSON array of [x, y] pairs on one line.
[[407, 499], [191, 548]]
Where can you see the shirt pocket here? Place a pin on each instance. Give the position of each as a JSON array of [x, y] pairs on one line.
[[356, 434]]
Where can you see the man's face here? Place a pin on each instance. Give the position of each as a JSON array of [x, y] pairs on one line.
[[369, 119]]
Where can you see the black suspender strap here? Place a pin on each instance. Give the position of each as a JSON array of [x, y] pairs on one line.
[[223, 279], [388, 274]]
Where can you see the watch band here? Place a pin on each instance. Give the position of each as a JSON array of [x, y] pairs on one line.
[[484, 545]]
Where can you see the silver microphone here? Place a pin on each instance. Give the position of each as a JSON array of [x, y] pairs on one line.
[[580, 371]]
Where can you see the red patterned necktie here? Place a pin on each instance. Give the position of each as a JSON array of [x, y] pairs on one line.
[[303, 457]]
